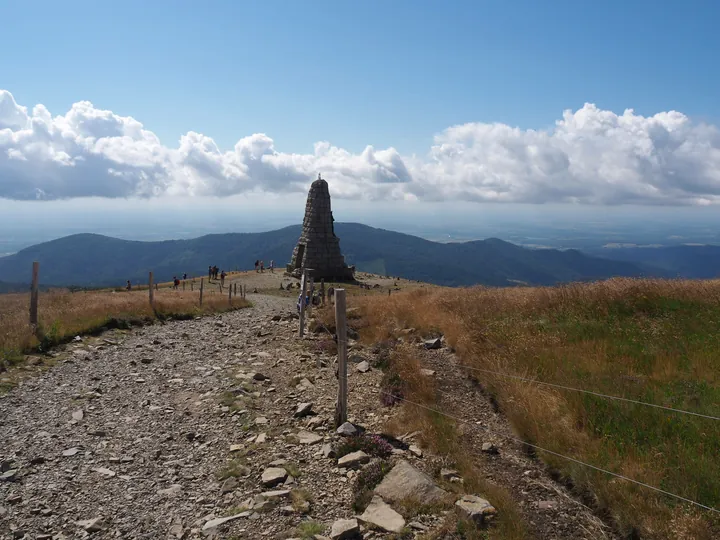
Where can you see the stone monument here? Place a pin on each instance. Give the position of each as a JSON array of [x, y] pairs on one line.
[[318, 249]]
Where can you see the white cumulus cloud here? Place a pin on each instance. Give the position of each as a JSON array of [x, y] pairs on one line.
[[590, 156]]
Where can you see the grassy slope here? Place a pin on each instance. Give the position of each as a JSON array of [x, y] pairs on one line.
[[655, 341]]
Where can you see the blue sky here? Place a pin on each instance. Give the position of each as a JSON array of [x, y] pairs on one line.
[[407, 108], [390, 73]]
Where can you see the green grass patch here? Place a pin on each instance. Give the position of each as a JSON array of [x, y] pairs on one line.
[[308, 529]]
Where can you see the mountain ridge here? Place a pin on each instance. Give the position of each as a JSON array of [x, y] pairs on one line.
[[90, 259]]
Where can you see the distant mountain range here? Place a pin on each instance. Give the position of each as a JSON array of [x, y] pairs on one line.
[[689, 261], [12, 287], [97, 261]]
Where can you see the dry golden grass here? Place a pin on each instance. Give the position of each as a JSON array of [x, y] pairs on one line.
[[62, 314], [651, 340]]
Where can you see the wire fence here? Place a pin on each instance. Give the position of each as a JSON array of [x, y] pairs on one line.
[[589, 392], [552, 452], [563, 456]]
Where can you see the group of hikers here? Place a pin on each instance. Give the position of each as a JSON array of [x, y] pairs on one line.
[[214, 272], [175, 280], [260, 266]]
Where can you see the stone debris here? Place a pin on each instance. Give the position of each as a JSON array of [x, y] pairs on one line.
[[105, 472], [303, 409], [450, 475], [476, 508], [363, 367], [9, 475], [273, 476], [345, 529], [380, 514], [415, 450], [433, 344], [78, 415], [276, 495], [347, 430], [92, 525], [406, 482], [490, 448], [547, 505], [174, 489], [229, 485], [305, 437], [213, 523], [353, 459]]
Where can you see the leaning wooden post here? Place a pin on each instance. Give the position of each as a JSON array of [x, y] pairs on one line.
[[303, 280], [150, 288], [341, 330], [229, 295], [202, 284], [34, 295]]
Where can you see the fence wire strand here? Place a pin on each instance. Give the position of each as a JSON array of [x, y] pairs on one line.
[[596, 394]]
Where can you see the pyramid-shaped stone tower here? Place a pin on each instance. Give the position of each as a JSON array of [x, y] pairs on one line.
[[318, 249]]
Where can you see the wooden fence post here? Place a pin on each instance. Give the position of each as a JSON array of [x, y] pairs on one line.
[[303, 280], [183, 284], [192, 285], [341, 329], [150, 288], [202, 283], [34, 294], [229, 295], [235, 287]]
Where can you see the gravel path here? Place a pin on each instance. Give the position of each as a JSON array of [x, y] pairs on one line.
[[163, 431]]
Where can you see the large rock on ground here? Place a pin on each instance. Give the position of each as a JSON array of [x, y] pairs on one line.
[[406, 482], [379, 514], [272, 476], [345, 529], [354, 459], [476, 508], [219, 521], [305, 437]]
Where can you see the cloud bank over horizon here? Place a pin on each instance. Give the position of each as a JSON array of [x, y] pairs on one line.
[[590, 156]]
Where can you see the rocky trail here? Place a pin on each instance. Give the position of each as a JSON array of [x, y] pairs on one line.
[[222, 427]]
